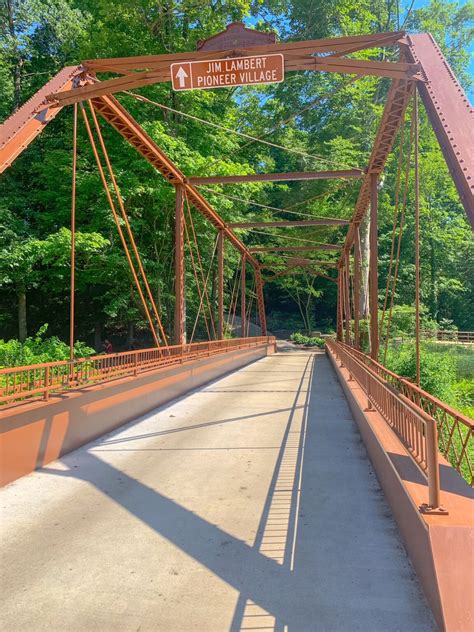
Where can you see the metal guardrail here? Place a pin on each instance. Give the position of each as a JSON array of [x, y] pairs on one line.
[[24, 382], [415, 428], [455, 430]]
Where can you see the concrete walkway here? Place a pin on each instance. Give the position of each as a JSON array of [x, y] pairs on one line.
[[248, 505]]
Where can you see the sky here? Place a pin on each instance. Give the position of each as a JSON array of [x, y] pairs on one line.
[[417, 5]]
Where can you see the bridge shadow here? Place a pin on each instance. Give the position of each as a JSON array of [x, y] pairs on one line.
[[326, 555]]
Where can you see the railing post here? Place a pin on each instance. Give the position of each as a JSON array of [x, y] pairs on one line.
[[135, 366], [367, 390], [433, 467], [46, 383]]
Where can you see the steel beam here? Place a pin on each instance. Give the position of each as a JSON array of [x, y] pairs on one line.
[[220, 284], [373, 269], [25, 124], [394, 111], [179, 288], [347, 299], [243, 306], [295, 248], [357, 279], [296, 59], [276, 177], [450, 114], [113, 112], [329, 45], [339, 327], [289, 224], [260, 301]]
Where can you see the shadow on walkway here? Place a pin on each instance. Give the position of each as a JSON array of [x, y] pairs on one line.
[[327, 554]]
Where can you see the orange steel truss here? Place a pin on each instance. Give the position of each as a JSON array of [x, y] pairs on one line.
[[420, 66]]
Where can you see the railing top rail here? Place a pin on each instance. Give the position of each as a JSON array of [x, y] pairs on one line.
[[123, 354], [413, 387]]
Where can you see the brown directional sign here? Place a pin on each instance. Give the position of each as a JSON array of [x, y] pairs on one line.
[[226, 73]]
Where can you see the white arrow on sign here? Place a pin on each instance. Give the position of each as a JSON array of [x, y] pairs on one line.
[[181, 75]]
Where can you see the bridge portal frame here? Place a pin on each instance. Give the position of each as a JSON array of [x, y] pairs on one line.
[[421, 66]]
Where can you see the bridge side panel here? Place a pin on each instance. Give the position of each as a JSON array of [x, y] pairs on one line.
[[450, 114], [25, 124], [36, 433]]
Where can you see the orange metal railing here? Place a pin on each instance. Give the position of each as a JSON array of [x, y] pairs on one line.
[[423, 422], [23, 382]]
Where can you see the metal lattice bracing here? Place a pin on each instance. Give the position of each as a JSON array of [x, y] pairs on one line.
[[394, 111], [23, 127], [450, 114]]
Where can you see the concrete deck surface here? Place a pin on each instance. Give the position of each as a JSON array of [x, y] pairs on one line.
[[247, 505]]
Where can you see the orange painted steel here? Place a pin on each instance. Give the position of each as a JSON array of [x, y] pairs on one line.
[[316, 246], [394, 111], [117, 223], [243, 294], [128, 227], [453, 426], [416, 429], [298, 56], [204, 280], [373, 268], [72, 288], [329, 45], [24, 382], [317, 221], [220, 284], [277, 177], [417, 242], [450, 112], [113, 112], [25, 124], [356, 283]]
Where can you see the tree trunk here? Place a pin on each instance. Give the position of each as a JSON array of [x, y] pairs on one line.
[[433, 282], [364, 262], [22, 323]]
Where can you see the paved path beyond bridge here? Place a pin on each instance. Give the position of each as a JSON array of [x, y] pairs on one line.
[[248, 505]]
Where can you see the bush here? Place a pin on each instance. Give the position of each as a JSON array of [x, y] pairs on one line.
[[298, 339], [38, 349], [438, 370], [307, 341]]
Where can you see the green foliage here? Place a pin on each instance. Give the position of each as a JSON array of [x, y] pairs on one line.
[[307, 341], [38, 37], [464, 395], [404, 319], [438, 370], [39, 349]]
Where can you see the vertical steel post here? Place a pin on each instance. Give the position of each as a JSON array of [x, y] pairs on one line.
[[73, 236], [356, 278], [417, 240], [220, 284], [339, 328], [260, 301], [347, 299], [243, 327], [432, 464], [373, 268], [179, 307]]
